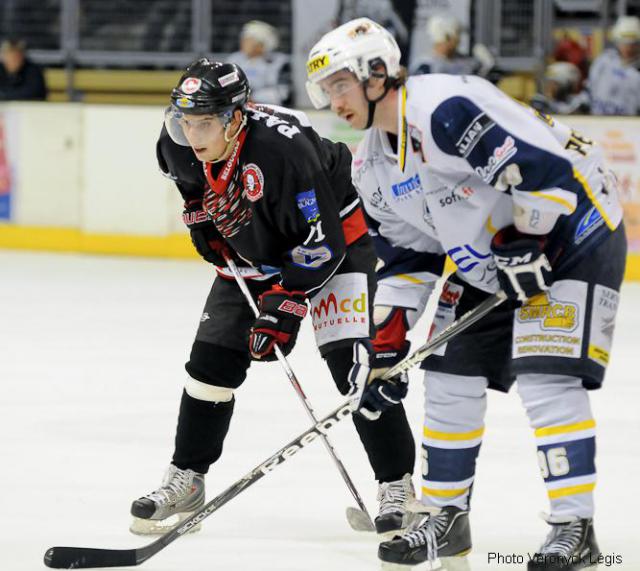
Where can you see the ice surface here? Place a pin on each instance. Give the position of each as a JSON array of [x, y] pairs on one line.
[[91, 366]]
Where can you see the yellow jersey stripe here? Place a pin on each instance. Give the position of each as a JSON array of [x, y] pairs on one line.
[[490, 227], [571, 491], [443, 493], [437, 435], [402, 151], [555, 199], [587, 188], [563, 429], [409, 278]]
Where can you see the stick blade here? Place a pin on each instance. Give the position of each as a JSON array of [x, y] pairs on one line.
[[359, 520], [85, 557]]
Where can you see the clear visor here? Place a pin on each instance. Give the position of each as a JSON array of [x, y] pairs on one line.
[[191, 130], [340, 83]]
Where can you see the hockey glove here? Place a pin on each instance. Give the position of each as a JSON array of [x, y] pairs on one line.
[[371, 395], [204, 236], [523, 268], [281, 312]]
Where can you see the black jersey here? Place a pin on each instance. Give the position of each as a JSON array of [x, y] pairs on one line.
[[289, 205]]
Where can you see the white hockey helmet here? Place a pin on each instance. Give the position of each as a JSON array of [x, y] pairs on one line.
[[626, 30], [564, 73], [442, 28], [262, 33], [356, 46]]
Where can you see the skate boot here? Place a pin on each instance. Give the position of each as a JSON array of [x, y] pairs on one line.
[[395, 498], [444, 534], [181, 494], [570, 545]]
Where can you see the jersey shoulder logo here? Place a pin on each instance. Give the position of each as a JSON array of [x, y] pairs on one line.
[[253, 181], [308, 205]]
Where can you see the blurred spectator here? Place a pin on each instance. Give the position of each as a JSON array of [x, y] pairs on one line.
[[444, 31], [570, 49], [561, 91], [20, 78], [268, 71], [614, 82]]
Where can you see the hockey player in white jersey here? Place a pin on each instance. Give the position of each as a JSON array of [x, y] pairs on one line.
[[268, 71], [614, 80], [450, 165]]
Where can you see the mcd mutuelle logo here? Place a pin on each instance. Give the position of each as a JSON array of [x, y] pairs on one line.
[[332, 310]]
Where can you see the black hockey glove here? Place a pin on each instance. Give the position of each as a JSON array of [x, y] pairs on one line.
[[204, 236], [370, 395], [281, 312], [523, 268]]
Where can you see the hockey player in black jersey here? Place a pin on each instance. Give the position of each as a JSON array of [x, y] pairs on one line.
[[261, 186]]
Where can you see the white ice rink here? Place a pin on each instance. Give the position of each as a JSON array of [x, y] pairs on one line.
[[91, 368]]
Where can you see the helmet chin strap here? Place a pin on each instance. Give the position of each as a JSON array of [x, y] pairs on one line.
[[372, 102], [230, 140]]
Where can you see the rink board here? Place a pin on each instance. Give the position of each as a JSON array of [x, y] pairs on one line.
[[84, 178]]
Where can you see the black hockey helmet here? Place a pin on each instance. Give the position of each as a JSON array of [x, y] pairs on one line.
[[207, 88], [211, 87]]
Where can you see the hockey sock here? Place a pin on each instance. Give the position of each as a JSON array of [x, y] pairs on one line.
[[388, 443], [559, 412], [453, 427], [202, 428]]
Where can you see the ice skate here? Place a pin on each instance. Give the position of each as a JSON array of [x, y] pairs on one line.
[[395, 500], [181, 493], [439, 540], [571, 545]]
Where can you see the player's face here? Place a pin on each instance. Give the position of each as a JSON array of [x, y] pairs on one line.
[[629, 51], [347, 98], [205, 134]]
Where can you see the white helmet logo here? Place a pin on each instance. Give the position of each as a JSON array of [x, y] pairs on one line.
[[190, 85]]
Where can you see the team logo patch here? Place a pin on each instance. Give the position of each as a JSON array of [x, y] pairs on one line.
[[308, 205], [311, 258], [406, 188], [590, 222], [253, 181], [473, 133], [552, 324], [497, 160], [552, 314], [190, 85], [340, 310], [228, 79]]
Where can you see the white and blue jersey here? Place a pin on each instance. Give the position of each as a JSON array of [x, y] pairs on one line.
[[469, 161], [614, 86]]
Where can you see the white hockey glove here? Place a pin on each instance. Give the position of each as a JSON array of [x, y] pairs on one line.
[[370, 395], [523, 268]]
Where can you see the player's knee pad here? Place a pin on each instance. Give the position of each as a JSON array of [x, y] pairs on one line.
[[205, 392], [553, 400], [340, 361], [454, 403], [217, 366]]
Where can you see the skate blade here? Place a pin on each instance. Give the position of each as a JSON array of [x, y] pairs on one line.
[[426, 566], [457, 563], [141, 526], [358, 520]]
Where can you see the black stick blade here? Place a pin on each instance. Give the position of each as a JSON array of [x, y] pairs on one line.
[[85, 557]]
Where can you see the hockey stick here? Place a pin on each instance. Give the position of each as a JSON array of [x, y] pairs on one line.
[[88, 557], [448, 333], [359, 519]]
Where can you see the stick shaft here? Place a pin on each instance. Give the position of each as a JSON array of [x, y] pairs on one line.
[[242, 284]]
